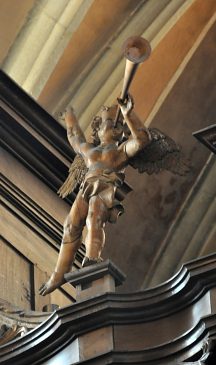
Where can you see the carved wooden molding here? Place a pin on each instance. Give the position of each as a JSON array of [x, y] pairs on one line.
[[33, 136], [208, 351], [15, 322], [31, 214], [207, 136], [186, 290], [17, 103], [17, 200]]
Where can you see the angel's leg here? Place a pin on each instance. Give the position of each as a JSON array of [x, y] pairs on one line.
[[71, 242], [96, 219]]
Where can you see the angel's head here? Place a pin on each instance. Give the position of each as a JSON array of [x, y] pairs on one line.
[[108, 112], [104, 128]]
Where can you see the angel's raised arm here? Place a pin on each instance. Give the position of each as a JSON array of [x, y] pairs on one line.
[[140, 136], [75, 134]]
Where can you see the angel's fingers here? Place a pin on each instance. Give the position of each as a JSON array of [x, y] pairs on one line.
[[130, 97], [130, 101], [129, 104], [69, 111], [120, 102], [69, 108], [42, 288]]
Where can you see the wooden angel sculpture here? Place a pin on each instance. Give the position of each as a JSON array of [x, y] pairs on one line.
[[99, 167]]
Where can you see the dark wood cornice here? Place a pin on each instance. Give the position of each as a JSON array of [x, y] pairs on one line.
[[33, 136], [33, 216], [25, 107], [189, 286], [30, 213], [207, 136], [35, 348]]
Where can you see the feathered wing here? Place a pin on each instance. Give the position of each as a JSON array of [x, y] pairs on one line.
[[77, 172], [161, 154]]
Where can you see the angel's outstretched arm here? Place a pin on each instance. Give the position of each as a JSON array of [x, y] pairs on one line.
[[74, 133], [140, 135]]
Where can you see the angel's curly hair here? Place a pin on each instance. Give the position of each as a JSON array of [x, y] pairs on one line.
[[95, 126], [96, 123]]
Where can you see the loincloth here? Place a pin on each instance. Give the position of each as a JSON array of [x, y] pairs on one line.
[[104, 186]]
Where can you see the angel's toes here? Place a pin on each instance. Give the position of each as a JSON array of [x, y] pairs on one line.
[[43, 290], [130, 103], [55, 281], [40, 290]]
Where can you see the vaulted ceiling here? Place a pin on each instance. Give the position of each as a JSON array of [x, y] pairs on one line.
[[69, 52]]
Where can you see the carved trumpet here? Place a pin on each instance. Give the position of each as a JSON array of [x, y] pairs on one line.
[[136, 50]]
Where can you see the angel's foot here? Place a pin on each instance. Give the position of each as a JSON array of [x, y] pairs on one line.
[[90, 261], [55, 281]]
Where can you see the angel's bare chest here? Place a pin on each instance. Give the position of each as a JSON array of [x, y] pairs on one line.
[[109, 157]]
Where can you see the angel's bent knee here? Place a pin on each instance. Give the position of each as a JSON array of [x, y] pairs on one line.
[[96, 204], [71, 232], [97, 213]]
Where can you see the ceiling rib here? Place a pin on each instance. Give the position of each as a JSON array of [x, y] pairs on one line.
[[209, 242], [54, 46], [109, 79], [42, 41], [168, 18], [207, 224], [112, 82], [83, 100], [166, 63], [100, 23], [107, 53], [31, 39], [18, 10], [179, 71]]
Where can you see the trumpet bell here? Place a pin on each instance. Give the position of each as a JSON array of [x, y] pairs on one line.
[[136, 49]]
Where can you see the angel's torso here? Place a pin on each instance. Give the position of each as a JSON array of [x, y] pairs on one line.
[[109, 157]]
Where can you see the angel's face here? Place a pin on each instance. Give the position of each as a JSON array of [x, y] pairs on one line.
[[108, 113], [108, 131]]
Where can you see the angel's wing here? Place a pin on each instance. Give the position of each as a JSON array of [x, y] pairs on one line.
[[161, 154], [75, 177]]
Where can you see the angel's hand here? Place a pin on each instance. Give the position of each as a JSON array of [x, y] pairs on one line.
[[69, 111], [70, 117], [126, 106]]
